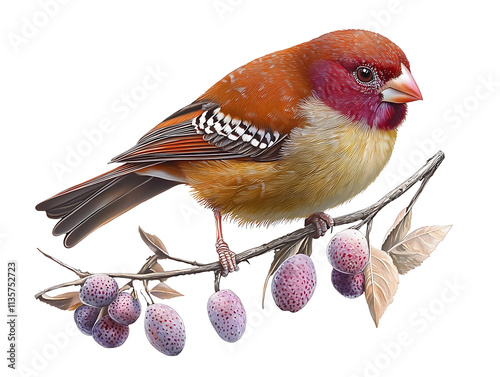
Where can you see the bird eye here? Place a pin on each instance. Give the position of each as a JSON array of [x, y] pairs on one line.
[[364, 74]]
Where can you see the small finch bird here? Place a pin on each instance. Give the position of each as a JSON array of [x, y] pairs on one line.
[[285, 136]]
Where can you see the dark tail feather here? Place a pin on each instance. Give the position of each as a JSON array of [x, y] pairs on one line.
[[86, 207], [62, 204], [67, 200], [145, 189]]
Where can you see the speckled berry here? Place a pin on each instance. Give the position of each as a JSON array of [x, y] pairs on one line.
[[108, 333], [165, 329], [125, 309], [348, 251], [294, 283], [85, 317], [98, 290], [350, 286], [227, 315]]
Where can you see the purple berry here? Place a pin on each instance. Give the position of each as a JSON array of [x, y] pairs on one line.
[[164, 329], [98, 290], [348, 251], [227, 314], [350, 286], [108, 333], [294, 283], [85, 317], [125, 309]]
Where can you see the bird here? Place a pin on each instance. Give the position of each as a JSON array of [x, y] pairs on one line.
[[287, 136]]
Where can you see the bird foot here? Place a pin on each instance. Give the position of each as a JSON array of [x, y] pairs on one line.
[[321, 221], [226, 257]]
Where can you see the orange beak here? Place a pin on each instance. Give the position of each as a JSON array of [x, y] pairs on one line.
[[402, 89]]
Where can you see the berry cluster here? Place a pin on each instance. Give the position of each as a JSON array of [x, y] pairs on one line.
[[348, 254], [106, 314], [101, 292], [100, 295]]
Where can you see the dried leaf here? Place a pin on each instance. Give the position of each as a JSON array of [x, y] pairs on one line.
[[417, 246], [398, 230], [164, 292], [302, 246], [64, 301], [381, 283], [157, 268], [154, 243]]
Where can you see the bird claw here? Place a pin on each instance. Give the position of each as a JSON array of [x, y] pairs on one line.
[[226, 257], [321, 221]]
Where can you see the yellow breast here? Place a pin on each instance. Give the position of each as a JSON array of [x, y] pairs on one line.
[[326, 162]]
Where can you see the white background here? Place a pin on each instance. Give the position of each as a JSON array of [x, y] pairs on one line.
[[66, 76]]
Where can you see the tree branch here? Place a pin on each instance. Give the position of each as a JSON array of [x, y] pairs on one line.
[[365, 216]]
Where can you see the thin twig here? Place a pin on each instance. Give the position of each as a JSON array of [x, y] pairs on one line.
[[145, 298], [192, 263], [72, 269], [63, 285], [146, 288], [368, 231], [420, 189], [217, 280]]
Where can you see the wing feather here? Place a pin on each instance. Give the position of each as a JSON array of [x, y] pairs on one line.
[[201, 131]]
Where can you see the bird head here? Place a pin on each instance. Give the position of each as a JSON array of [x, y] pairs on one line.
[[362, 75]]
